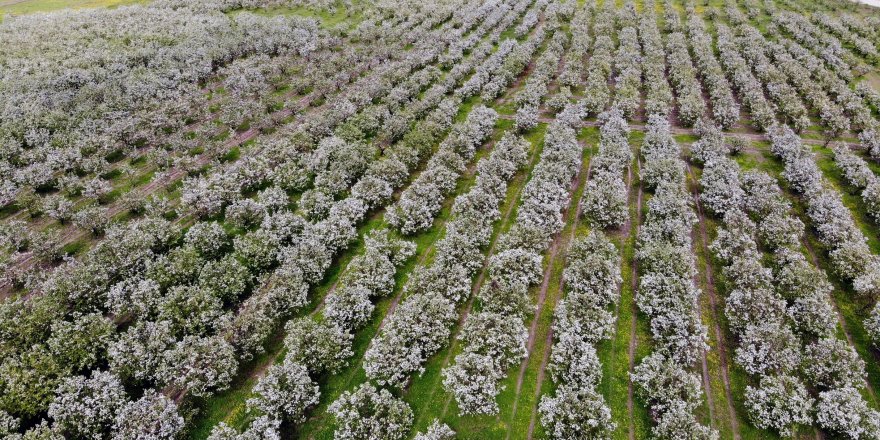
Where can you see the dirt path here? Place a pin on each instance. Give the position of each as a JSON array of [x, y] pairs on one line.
[[716, 328], [632, 329], [545, 359]]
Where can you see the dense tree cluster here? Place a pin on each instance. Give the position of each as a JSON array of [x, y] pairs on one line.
[[682, 75], [604, 201], [627, 64], [788, 103], [348, 308], [530, 97], [756, 311], [776, 312], [725, 110], [596, 91], [809, 35], [420, 202], [71, 105], [494, 338], [847, 246], [582, 319], [658, 94], [739, 72], [863, 45], [147, 265], [667, 294]]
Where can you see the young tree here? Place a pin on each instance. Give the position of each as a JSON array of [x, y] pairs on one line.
[[286, 391], [832, 363], [437, 431], [368, 413], [87, 406], [844, 411], [199, 365], [152, 417], [576, 413], [781, 403], [319, 346]]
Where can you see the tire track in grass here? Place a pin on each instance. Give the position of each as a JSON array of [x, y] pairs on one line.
[[631, 351], [717, 339]]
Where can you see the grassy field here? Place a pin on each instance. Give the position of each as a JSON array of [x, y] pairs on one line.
[[724, 381], [18, 7]]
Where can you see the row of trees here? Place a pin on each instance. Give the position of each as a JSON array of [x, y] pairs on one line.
[[530, 97], [775, 312], [725, 109], [494, 338], [604, 203], [682, 75], [658, 94], [592, 278], [627, 64], [420, 326], [767, 349], [348, 308], [667, 293], [302, 264], [596, 91]]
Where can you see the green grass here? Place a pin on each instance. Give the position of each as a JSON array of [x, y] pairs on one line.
[[15, 7]]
